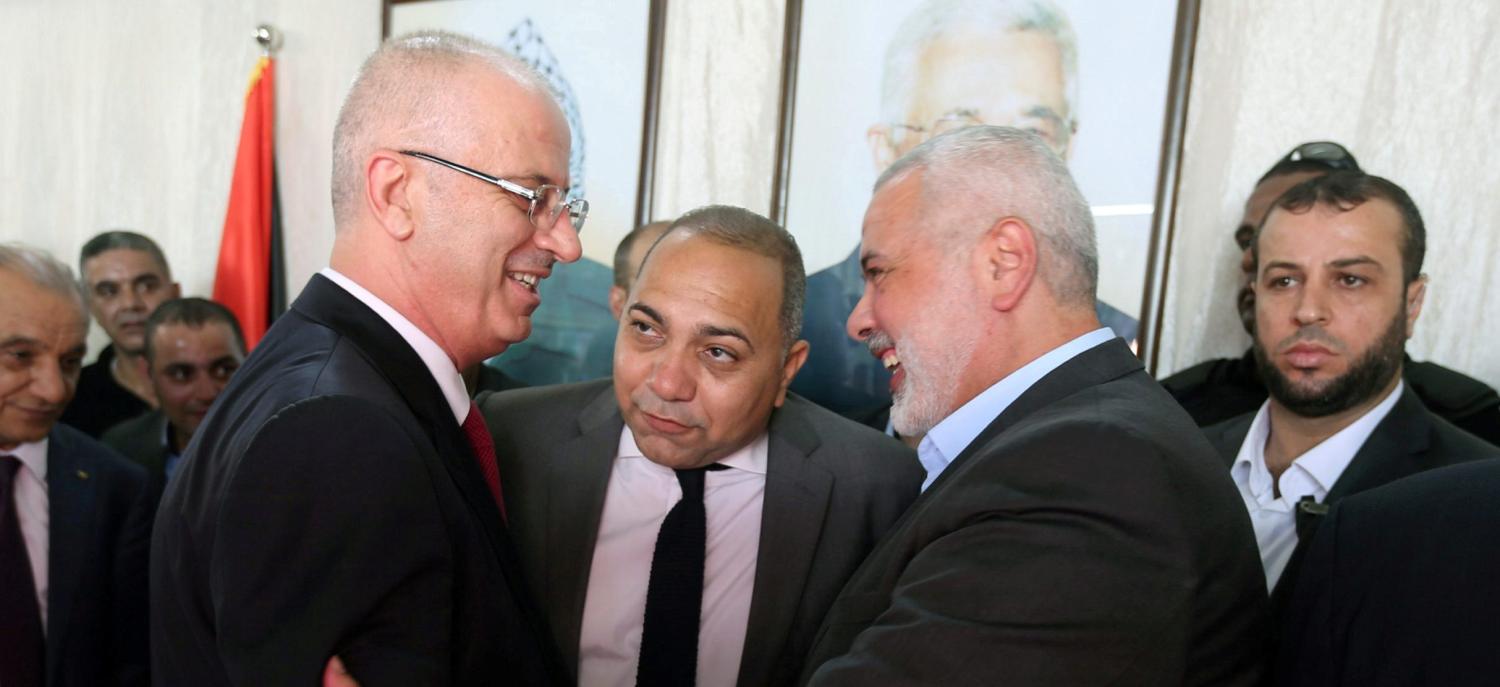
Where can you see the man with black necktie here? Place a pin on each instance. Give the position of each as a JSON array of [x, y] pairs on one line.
[[75, 517], [691, 486], [340, 499]]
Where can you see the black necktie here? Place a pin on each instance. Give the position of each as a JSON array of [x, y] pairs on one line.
[[674, 596], [21, 652]]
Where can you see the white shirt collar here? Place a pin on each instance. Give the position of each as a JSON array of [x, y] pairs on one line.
[[33, 455], [439, 365], [751, 457], [954, 433], [1323, 463]]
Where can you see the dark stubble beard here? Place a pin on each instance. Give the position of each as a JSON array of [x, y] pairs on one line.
[[1368, 376]]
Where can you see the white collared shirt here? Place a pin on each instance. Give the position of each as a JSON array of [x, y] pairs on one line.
[[1312, 473], [439, 365], [29, 489], [954, 433], [636, 501]]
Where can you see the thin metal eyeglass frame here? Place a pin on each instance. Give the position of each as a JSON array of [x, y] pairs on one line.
[[578, 208]]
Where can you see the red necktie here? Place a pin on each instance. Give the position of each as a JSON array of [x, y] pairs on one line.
[[484, 454]]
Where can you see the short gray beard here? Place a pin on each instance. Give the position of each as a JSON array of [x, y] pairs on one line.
[[932, 372]]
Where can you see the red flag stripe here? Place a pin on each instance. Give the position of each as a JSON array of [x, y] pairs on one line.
[[242, 280]]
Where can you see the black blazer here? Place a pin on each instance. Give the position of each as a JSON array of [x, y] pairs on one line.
[[1088, 535], [832, 488], [1409, 440], [98, 540], [330, 504], [141, 439], [1399, 587]]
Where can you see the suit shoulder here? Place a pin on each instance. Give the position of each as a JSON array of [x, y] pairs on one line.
[[1449, 392], [525, 405], [1457, 445], [846, 446]]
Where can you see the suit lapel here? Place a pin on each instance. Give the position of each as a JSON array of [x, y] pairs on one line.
[[1107, 361], [1393, 450], [577, 478], [70, 495], [793, 508]]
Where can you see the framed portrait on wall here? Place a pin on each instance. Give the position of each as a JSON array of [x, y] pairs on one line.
[[864, 84], [602, 59]]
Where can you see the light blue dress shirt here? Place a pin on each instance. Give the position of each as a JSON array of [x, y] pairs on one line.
[[954, 434]]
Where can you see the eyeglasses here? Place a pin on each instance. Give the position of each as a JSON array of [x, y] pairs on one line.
[[1326, 153], [547, 201], [956, 119]]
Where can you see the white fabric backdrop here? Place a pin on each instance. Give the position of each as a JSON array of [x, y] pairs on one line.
[[1413, 89]]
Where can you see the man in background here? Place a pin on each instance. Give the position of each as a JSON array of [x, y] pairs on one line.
[[75, 518], [1217, 390], [193, 347], [950, 64], [125, 276], [695, 461], [1074, 527], [1338, 290], [342, 498]]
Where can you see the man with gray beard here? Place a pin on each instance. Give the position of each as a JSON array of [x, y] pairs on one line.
[[1338, 289], [1073, 527]]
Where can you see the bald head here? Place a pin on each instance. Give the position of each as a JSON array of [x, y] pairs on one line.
[[413, 93]]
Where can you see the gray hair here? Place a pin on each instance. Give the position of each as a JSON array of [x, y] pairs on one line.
[[123, 239], [404, 86], [984, 173], [737, 227], [931, 20], [40, 268]]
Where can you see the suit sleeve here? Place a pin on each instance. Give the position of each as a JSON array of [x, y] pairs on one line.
[[330, 543], [1046, 571], [131, 661]]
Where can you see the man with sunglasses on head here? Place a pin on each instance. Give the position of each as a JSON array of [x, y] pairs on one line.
[[339, 510], [1217, 390]]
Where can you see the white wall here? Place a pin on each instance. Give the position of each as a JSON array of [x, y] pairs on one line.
[[127, 115], [1413, 89]]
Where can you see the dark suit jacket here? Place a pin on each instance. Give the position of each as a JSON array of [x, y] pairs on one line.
[[1409, 440], [1219, 390], [832, 488], [1399, 587], [141, 439], [1088, 535], [99, 538], [98, 401], [330, 504]]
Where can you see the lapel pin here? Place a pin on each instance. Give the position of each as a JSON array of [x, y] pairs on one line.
[[82, 474]]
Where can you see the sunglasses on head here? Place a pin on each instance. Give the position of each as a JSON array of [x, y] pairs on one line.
[[1326, 153]]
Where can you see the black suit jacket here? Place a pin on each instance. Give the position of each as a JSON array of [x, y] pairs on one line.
[[98, 401], [1399, 587], [1409, 440], [832, 488], [1219, 390], [330, 504], [142, 440], [99, 537], [1088, 535]]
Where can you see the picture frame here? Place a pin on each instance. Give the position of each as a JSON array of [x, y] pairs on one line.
[[601, 57], [1116, 117]]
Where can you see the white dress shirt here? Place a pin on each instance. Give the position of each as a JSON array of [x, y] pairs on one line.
[[29, 489], [439, 365], [1312, 473], [636, 501]]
